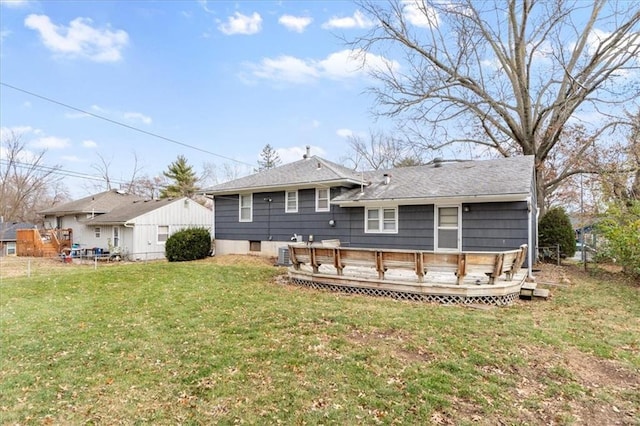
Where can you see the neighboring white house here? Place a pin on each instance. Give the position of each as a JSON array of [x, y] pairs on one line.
[[133, 227]]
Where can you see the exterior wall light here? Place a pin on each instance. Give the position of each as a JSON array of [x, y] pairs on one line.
[[332, 222]]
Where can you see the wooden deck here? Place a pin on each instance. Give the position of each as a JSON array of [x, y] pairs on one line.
[[464, 278]]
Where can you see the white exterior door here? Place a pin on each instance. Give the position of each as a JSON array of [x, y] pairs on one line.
[[448, 228]]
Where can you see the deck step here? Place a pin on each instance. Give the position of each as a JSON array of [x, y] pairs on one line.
[[527, 289], [541, 293]]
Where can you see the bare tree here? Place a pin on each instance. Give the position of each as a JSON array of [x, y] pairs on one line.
[[106, 181], [512, 73], [27, 185], [103, 173], [380, 151]]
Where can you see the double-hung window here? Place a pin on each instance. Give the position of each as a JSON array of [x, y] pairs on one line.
[[448, 228], [246, 207], [322, 199], [381, 220], [163, 233], [291, 202]]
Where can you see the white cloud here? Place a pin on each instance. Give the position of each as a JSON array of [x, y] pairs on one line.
[[14, 4], [89, 144], [340, 65], [315, 124], [295, 153], [72, 159], [344, 133], [286, 68], [242, 24], [137, 116], [358, 20], [98, 110], [51, 142], [18, 131], [295, 23], [420, 14], [79, 39]]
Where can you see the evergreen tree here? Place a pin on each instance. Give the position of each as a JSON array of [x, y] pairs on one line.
[[182, 180], [269, 158], [555, 228]]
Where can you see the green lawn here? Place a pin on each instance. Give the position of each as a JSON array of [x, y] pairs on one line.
[[202, 343]]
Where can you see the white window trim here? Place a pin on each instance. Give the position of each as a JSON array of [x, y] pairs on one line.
[[250, 207], [381, 229], [328, 208], [158, 233], [286, 202], [436, 228]]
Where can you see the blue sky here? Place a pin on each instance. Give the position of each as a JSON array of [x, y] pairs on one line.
[[225, 77]]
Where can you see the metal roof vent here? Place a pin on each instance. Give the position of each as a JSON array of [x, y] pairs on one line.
[[387, 178], [437, 162], [308, 153]]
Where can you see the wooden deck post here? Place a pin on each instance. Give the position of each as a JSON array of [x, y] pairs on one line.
[[497, 268], [419, 267], [462, 268]]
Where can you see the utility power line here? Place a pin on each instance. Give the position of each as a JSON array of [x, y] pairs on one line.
[[119, 123], [60, 171]]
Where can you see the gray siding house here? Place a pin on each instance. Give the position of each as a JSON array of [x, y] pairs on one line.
[[135, 227], [485, 205]]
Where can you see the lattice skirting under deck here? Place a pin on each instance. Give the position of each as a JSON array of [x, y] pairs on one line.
[[501, 300]]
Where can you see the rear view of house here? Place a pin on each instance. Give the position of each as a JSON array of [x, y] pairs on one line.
[[443, 207]]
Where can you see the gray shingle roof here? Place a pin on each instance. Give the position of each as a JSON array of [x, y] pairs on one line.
[[100, 203], [505, 176], [8, 229], [306, 172], [127, 212]]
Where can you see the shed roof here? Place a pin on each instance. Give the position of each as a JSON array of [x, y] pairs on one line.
[[133, 209], [306, 172], [103, 202], [487, 178]]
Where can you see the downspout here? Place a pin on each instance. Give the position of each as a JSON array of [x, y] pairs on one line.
[[530, 238]]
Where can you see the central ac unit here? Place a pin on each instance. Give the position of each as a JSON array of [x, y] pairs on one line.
[[283, 256]]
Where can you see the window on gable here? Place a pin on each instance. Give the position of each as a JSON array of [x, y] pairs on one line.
[[322, 199], [291, 203], [381, 219], [163, 233], [246, 208]]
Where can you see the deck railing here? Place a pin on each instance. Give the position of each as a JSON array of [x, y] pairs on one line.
[[493, 264]]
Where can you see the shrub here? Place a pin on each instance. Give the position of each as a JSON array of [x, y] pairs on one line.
[[188, 244], [555, 228], [621, 229]]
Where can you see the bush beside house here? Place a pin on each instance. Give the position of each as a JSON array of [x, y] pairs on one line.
[[188, 244]]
